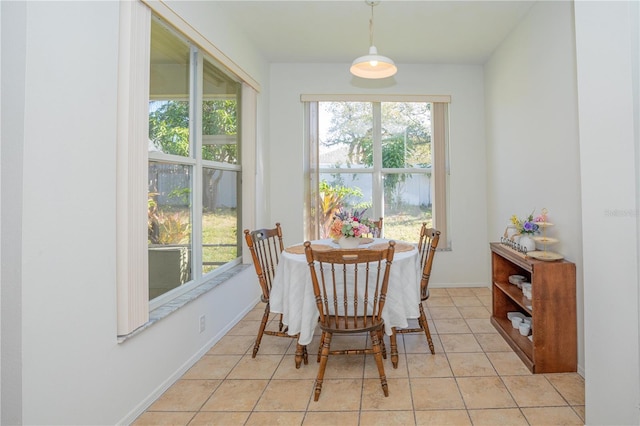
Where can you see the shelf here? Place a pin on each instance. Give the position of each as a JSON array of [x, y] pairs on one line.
[[552, 309], [515, 294], [519, 343], [513, 256]]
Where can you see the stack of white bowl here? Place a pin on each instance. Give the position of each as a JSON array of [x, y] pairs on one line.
[[517, 280], [526, 289], [521, 282], [521, 322]]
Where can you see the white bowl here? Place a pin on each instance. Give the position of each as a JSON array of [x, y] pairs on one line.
[[510, 315], [516, 321], [526, 290], [516, 279]]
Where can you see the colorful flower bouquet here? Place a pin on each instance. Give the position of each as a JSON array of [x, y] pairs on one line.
[[349, 224], [527, 225]]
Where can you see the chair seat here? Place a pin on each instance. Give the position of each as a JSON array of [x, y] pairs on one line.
[[352, 324]]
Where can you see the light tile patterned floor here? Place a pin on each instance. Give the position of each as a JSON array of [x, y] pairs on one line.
[[474, 378]]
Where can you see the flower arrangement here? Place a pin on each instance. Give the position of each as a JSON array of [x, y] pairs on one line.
[[527, 225], [349, 224]]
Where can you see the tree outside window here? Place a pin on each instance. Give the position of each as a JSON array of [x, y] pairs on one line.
[[388, 142]]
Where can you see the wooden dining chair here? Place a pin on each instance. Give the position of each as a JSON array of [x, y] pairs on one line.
[[376, 230], [266, 248], [427, 245], [350, 288]]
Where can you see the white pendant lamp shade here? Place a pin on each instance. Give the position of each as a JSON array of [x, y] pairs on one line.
[[373, 65]]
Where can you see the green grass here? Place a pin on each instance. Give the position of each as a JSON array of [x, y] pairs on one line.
[[220, 228], [405, 223]]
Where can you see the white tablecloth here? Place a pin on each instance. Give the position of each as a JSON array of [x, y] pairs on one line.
[[292, 292]]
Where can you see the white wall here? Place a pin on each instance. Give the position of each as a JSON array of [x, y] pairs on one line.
[[607, 42], [13, 62], [68, 367], [566, 102], [532, 133], [467, 150]]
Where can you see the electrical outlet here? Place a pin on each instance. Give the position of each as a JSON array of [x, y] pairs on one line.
[[202, 323]]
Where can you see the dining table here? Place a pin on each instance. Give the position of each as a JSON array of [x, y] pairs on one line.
[[292, 289]]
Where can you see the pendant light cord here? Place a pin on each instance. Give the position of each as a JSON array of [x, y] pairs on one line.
[[371, 25]]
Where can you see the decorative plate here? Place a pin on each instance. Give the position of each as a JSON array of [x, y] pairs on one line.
[[545, 240], [360, 242], [545, 255], [400, 247], [544, 224], [299, 249]]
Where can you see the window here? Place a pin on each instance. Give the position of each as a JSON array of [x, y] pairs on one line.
[[386, 156], [181, 104], [194, 167]]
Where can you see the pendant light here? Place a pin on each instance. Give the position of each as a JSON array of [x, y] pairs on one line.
[[373, 65]]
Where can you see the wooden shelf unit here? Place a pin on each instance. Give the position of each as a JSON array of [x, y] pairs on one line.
[[552, 309]]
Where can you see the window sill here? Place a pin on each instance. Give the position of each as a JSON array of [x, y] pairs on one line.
[[180, 301]]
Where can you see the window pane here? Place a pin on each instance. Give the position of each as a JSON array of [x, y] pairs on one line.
[[189, 144], [398, 158], [169, 222], [348, 190], [406, 134], [168, 92], [219, 116], [220, 218], [345, 134], [407, 203]]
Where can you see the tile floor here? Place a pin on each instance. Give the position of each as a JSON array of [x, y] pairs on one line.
[[473, 379]]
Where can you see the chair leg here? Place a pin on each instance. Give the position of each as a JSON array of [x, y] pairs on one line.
[[320, 346], [301, 355], [263, 325], [425, 326], [280, 325], [383, 347], [377, 354], [324, 356], [394, 348]]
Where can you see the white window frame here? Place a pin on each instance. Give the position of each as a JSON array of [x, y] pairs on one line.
[[196, 164], [132, 277], [440, 160]]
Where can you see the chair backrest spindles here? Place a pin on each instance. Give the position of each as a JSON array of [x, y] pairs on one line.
[[376, 230], [266, 246], [427, 244], [350, 285]]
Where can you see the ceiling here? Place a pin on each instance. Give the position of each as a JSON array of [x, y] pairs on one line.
[[337, 31]]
